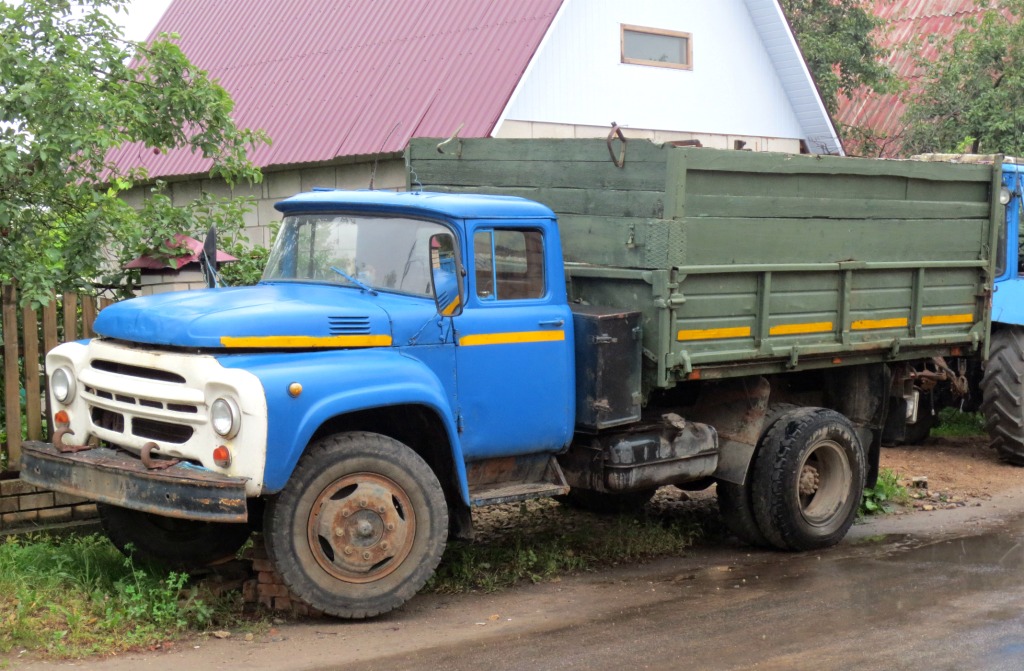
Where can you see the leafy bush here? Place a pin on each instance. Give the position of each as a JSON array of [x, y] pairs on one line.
[[887, 490]]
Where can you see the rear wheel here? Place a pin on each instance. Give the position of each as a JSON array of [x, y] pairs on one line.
[[360, 526], [1002, 391], [176, 543], [808, 479]]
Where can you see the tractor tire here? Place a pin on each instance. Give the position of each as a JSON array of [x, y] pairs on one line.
[[1002, 391]]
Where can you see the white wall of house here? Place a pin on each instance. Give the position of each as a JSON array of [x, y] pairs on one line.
[[577, 79]]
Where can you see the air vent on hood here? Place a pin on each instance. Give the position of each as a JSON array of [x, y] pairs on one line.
[[349, 325]]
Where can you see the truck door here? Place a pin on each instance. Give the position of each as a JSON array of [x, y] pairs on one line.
[[514, 346]]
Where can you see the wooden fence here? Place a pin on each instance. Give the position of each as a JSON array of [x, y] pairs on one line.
[[27, 336]]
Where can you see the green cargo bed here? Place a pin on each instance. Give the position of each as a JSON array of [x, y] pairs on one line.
[[746, 263]]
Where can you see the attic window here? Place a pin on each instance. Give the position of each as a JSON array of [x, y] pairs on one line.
[[660, 48]]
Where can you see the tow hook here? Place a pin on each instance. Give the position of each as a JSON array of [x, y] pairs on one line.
[[151, 462]]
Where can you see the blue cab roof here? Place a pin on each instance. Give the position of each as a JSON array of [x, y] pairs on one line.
[[452, 205]]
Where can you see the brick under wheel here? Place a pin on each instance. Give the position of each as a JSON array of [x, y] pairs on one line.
[[808, 480], [360, 526], [1002, 391]]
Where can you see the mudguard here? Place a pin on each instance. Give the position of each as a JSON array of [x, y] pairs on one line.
[[335, 383]]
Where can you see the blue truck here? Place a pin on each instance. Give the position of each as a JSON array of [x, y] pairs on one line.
[[691, 317]]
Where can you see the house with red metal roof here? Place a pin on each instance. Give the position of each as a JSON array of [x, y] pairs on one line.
[[341, 87], [906, 26]]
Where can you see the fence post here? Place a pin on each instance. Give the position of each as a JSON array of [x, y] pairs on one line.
[[12, 388], [33, 407], [50, 341]]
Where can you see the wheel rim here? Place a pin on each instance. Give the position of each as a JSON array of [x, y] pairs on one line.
[[823, 485], [361, 527]]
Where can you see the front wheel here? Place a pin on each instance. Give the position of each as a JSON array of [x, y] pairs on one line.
[[360, 526], [809, 476]]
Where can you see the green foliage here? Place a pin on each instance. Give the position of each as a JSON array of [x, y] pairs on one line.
[[543, 540], [971, 97], [837, 40], [956, 424], [887, 490], [71, 91], [78, 595]]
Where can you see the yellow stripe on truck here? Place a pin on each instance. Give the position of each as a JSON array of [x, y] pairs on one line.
[[799, 329], [937, 320], [306, 342], [865, 324], [511, 338], [714, 334]]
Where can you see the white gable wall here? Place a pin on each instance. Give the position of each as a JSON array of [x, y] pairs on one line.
[[577, 78]]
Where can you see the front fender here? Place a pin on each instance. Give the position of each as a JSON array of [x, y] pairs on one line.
[[1008, 302], [335, 383]]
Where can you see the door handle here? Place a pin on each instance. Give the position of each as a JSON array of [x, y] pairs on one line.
[[553, 323]]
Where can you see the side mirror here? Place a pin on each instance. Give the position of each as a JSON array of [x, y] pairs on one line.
[[445, 276]]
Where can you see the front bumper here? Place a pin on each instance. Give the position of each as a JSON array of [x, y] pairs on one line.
[[119, 478]]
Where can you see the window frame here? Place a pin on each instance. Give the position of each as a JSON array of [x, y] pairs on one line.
[[495, 298], [688, 65]]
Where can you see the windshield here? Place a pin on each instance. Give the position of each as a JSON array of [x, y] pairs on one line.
[[385, 253]]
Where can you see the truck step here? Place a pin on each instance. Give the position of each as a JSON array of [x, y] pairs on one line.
[[510, 492], [511, 479]]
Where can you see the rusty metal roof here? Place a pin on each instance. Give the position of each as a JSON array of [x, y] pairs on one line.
[[906, 22], [327, 79]]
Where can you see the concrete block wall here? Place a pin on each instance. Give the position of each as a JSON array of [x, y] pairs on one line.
[[23, 505]]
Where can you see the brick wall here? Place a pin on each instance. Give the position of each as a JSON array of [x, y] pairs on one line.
[[23, 505]]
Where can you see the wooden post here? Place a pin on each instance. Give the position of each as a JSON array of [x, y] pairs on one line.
[[70, 317], [12, 388], [50, 340], [88, 315], [33, 407]]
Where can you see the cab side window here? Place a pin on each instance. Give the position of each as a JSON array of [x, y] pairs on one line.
[[509, 264]]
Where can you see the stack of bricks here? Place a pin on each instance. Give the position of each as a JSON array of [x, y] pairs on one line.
[[267, 588], [23, 505]]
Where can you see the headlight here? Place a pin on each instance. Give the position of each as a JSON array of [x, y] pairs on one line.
[[62, 385], [225, 417]]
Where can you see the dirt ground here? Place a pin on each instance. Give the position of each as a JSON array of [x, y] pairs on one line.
[[959, 471]]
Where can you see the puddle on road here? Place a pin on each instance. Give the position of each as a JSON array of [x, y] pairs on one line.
[[893, 575]]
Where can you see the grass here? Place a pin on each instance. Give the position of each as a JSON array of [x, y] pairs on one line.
[[77, 595], [886, 491], [542, 540], [955, 424]]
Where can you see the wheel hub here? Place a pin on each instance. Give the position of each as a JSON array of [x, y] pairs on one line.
[[361, 527], [809, 480]]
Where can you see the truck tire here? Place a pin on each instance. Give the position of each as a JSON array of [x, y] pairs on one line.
[[607, 503], [1002, 394], [808, 480], [174, 543], [360, 526], [735, 502]]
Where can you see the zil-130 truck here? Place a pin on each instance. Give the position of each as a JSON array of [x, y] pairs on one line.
[[692, 317]]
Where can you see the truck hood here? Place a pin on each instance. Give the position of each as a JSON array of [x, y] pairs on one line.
[[297, 316]]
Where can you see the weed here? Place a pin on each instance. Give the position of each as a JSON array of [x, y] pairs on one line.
[[547, 540], [887, 490], [69, 597]]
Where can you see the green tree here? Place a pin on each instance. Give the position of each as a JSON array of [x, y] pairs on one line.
[[971, 97], [838, 42], [71, 90]]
